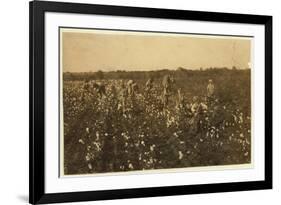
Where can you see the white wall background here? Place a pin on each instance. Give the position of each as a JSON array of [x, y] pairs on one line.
[[14, 100]]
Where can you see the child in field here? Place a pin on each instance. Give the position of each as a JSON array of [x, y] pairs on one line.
[[149, 84], [194, 105], [165, 98], [123, 96], [210, 90], [180, 99], [130, 87]]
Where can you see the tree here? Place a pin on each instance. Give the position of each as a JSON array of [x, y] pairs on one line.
[[100, 75]]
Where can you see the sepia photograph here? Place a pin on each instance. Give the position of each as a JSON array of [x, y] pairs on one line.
[[145, 100]]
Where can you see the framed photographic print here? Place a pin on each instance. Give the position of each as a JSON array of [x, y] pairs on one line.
[[140, 102]]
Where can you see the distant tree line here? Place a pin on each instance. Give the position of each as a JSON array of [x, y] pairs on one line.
[[156, 74]]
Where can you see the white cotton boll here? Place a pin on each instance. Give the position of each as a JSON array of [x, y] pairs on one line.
[[87, 130], [97, 134], [180, 155], [175, 134], [87, 157], [90, 166], [131, 166], [81, 141]]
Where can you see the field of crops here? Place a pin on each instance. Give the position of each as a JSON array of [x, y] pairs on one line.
[[101, 135]]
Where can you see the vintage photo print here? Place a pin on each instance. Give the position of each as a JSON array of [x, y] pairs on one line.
[[141, 101]]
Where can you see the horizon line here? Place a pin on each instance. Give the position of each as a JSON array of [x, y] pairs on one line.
[[159, 70]]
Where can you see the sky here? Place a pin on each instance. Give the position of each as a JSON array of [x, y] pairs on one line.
[[92, 50]]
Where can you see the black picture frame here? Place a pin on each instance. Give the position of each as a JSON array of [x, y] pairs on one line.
[[37, 9]]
